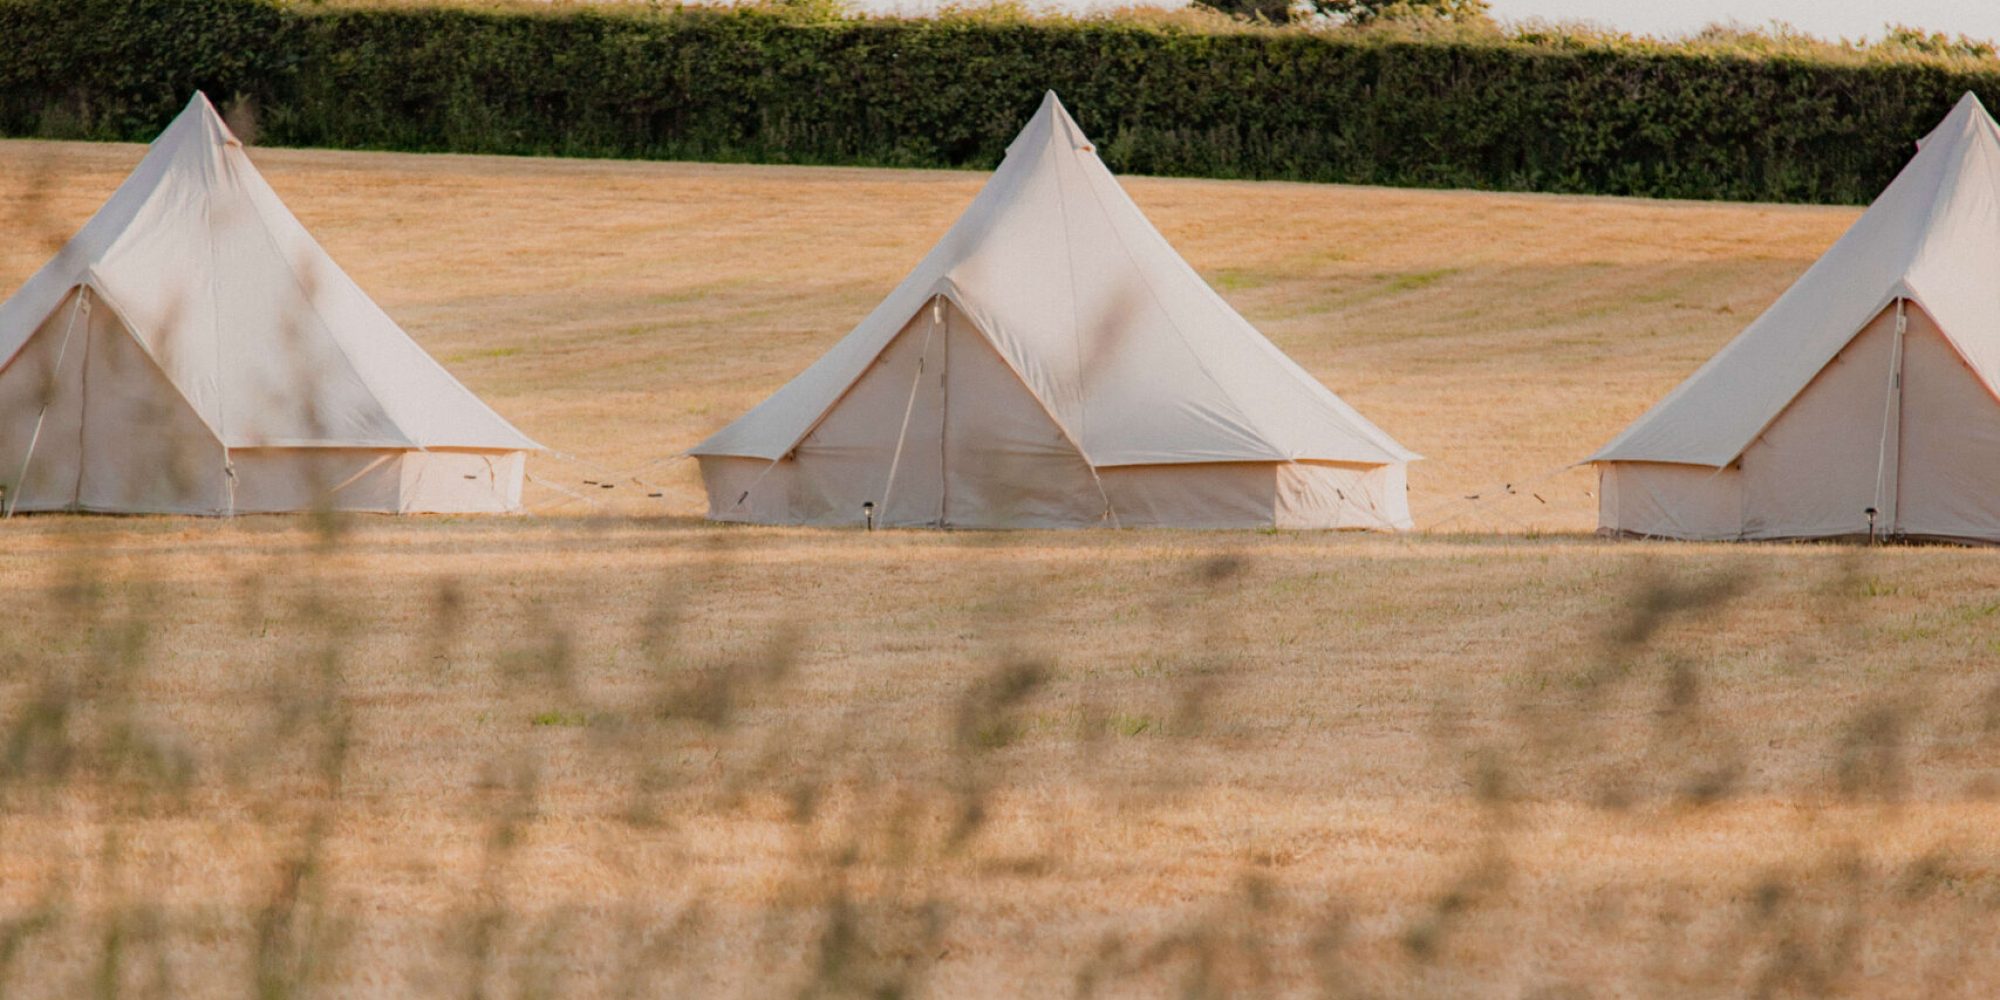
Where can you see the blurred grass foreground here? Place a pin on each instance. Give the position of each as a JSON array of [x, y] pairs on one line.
[[578, 758]]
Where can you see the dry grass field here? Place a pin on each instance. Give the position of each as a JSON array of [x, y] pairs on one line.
[[609, 750]]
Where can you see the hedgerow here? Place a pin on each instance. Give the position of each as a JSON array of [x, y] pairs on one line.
[[1531, 111]]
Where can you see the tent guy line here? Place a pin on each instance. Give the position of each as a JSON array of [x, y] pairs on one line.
[[1460, 506]]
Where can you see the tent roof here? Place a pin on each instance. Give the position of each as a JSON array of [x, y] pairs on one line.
[[270, 341], [1135, 357], [1933, 236]]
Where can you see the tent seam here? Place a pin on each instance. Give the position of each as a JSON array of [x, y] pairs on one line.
[[1075, 321], [298, 282], [1180, 334]]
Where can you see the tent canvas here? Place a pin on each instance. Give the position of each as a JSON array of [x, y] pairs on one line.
[[1863, 402], [194, 350], [1052, 362]]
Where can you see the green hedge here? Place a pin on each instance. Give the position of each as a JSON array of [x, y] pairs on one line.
[[755, 85]]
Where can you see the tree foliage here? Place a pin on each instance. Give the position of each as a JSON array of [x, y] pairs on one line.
[[1364, 12], [1259, 11]]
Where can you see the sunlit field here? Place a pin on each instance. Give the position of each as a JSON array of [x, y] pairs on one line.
[[606, 749]]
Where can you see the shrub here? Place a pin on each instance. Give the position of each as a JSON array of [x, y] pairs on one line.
[[1548, 109]]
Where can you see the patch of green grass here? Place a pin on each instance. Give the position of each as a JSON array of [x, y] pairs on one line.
[[1127, 725], [1419, 279], [1231, 279], [563, 720], [485, 354], [997, 734], [1975, 612]]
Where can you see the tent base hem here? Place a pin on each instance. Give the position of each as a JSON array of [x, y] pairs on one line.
[[1222, 495], [1908, 539], [299, 480]]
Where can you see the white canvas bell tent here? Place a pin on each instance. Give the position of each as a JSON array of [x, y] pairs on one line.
[[193, 350], [1052, 362], [1863, 401]]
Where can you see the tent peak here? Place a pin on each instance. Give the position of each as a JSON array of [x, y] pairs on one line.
[[1964, 119], [1060, 124], [1970, 107], [202, 111]]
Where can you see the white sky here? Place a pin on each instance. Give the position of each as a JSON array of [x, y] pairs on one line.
[[1826, 18], [1830, 19]]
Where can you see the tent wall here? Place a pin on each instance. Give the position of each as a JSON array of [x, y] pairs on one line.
[[41, 402], [277, 480], [274, 480], [968, 445], [1329, 495], [1948, 475], [290, 480], [1658, 500], [117, 437], [1830, 455], [463, 482], [971, 446], [848, 457], [1925, 455], [1007, 463], [1260, 495], [1811, 474], [1211, 495]]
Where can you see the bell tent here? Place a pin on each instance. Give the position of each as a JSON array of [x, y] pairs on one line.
[[1052, 362], [1863, 402], [193, 350]]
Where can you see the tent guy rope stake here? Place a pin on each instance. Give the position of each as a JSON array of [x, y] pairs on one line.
[[1471, 502], [568, 495]]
